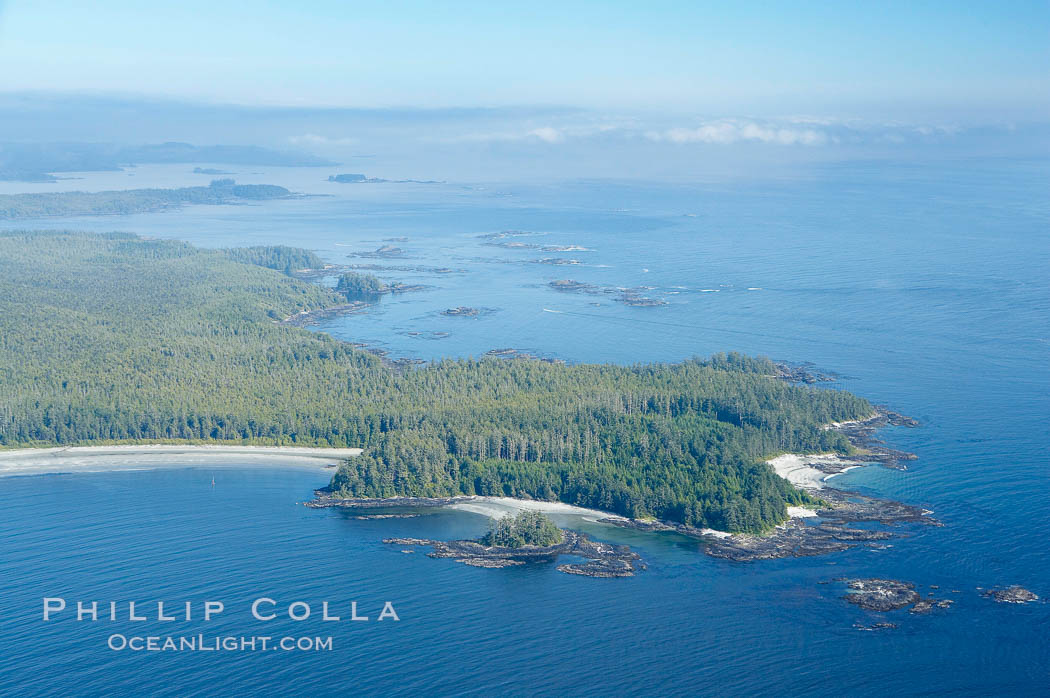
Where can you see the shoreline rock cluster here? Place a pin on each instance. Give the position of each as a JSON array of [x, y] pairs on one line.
[[628, 296], [604, 560], [861, 434], [803, 373], [511, 353], [796, 538], [312, 317], [324, 500], [420, 268]]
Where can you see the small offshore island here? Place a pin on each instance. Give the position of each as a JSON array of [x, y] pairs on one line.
[[531, 537]]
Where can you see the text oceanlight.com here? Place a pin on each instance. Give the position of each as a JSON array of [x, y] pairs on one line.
[[229, 643]]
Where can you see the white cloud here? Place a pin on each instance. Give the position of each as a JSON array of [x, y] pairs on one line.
[[547, 134], [729, 131]]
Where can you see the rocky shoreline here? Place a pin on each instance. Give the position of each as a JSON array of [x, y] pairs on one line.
[[861, 435], [603, 559], [832, 531], [324, 500], [312, 317], [838, 509]]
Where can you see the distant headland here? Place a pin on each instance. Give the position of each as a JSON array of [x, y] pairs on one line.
[[362, 179]]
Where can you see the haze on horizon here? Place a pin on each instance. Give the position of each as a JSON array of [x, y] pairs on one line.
[[577, 88]]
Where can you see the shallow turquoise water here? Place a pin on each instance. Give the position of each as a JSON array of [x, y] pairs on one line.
[[925, 286]]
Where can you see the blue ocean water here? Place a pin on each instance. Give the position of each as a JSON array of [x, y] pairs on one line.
[[924, 285]]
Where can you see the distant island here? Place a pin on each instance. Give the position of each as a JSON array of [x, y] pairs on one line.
[[118, 339], [362, 179], [79, 203], [35, 162], [210, 171]]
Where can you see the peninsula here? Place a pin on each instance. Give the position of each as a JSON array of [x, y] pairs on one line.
[[107, 203], [97, 349], [38, 162]]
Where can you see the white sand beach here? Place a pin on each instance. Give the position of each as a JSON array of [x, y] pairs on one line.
[[811, 471], [89, 459], [497, 507]]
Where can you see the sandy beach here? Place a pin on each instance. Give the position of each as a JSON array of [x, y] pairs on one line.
[[88, 459], [497, 507], [811, 471]]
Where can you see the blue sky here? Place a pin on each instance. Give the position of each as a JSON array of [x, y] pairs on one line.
[[983, 60]]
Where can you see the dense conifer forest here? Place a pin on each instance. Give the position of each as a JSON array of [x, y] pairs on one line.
[[526, 528], [280, 257], [361, 287], [80, 203], [108, 338]]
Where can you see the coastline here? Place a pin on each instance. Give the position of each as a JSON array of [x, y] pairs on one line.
[[810, 472], [90, 459], [496, 507], [792, 538]]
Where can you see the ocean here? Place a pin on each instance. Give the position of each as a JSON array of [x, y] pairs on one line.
[[924, 286]]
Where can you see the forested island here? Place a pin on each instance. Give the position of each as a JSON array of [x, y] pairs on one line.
[[113, 338], [532, 537], [35, 162], [368, 287], [80, 203], [527, 528]]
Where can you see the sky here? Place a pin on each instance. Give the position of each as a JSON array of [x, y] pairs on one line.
[[499, 89], [970, 60]]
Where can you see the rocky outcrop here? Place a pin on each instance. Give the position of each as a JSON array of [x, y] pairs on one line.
[[408, 541], [604, 559], [628, 296], [861, 434], [324, 499], [884, 595], [312, 317], [1011, 594], [881, 594], [462, 311]]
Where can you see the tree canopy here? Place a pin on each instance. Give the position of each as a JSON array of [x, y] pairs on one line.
[[360, 287], [80, 203], [527, 528], [107, 338]]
